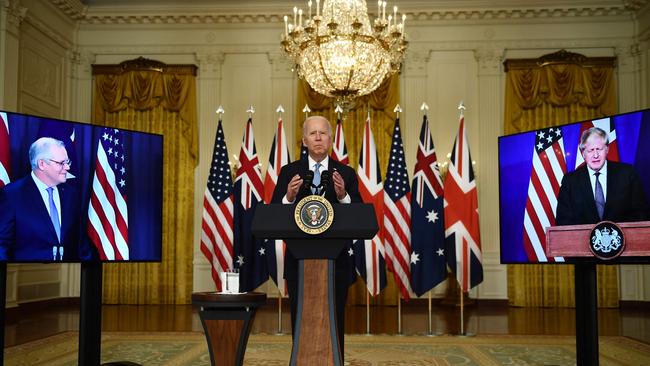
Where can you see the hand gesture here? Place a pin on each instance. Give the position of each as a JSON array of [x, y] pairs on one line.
[[293, 187], [339, 185]]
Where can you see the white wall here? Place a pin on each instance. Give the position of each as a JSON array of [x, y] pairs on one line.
[[454, 55]]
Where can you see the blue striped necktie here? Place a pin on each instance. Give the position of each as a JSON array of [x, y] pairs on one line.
[[599, 196], [316, 180], [54, 213]]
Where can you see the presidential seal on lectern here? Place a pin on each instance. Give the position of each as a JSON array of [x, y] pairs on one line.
[[314, 214]]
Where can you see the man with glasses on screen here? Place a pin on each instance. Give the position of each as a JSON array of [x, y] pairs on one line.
[[40, 213], [600, 189]]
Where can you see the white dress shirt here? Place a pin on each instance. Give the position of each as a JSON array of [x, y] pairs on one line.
[[42, 189]]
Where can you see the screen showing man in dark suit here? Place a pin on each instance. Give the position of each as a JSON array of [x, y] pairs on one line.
[[600, 189], [39, 213], [317, 137]]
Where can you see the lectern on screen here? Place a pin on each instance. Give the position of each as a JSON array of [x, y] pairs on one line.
[[112, 193], [523, 178]]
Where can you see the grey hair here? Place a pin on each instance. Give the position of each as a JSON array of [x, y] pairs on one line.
[[42, 149], [304, 125], [592, 131]]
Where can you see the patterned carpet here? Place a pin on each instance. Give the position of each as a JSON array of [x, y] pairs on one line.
[[269, 350]]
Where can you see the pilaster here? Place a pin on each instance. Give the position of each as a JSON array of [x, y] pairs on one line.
[[628, 57], [209, 99], [79, 84], [490, 84], [12, 13], [284, 83], [414, 92]]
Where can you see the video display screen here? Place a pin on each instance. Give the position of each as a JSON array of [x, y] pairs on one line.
[[75, 192], [532, 168]]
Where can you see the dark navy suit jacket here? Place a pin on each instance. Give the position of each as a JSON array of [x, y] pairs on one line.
[[26, 230], [625, 200]]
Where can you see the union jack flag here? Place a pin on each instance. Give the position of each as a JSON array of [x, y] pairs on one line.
[[250, 254], [428, 260], [369, 254], [606, 124], [548, 169], [462, 231], [217, 223], [339, 150], [5, 162], [276, 249], [397, 216], [108, 221]]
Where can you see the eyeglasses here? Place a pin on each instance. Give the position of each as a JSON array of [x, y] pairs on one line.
[[61, 163]]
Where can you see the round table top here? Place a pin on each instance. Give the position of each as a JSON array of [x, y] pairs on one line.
[[215, 299]]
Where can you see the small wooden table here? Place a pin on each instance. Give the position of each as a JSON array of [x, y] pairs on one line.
[[227, 323]]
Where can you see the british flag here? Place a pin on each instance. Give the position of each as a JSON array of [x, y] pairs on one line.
[[339, 150], [276, 249], [606, 124], [217, 222], [428, 260], [369, 254], [462, 231], [397, 216], [5, 161], [549, 167], [250, 253]]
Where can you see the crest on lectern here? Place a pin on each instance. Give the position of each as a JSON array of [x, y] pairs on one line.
[[314, 214], [606, 240]]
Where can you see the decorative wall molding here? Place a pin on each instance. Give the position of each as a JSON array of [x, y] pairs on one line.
[[48, 31], [74, 9], [15, 14], [210, 63], [489, 60], [216, 14]]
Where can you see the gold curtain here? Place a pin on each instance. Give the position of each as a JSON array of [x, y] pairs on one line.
[[555, 89], [380, 104], [149, 96]]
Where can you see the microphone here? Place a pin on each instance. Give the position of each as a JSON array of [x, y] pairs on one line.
[[309, 177], [324, 181]]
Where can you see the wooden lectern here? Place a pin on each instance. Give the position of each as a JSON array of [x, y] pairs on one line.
[[315, 339], [572, 242]]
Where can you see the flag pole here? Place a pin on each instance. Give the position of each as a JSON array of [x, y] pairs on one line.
[[429, 314], [279, 313], [399, 314], [367, 313], [462, 311]]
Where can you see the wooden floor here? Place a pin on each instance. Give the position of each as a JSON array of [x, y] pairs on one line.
[[480, 318]]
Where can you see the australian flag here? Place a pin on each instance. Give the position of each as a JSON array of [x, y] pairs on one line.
[[428, 260], [250, 254]]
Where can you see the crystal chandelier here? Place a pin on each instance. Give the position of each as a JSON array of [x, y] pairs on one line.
[[339, 53]]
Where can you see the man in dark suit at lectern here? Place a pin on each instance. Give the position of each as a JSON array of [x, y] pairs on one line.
[[317, 137], [600, 189]]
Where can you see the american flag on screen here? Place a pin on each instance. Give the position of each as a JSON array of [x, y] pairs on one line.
[[548, 169], [108, 221], [369, 254], [428, 260], [462, 231], [397, 216], [339, 150], [607, 125], [5, 167], [250, 253], [217, 221], [275, 249]]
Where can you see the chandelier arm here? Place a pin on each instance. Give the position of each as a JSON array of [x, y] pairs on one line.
[[322, 67]]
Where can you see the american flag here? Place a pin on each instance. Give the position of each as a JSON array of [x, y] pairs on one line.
[[462, 231], [339, 150], [546, 175], [428, 260], [276, 249], [5, 167], [397, 216], [250, 253], [369, 254], [607, 125], [217, 222], [108, 221]]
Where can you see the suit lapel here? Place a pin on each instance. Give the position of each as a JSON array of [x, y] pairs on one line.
[[38, 207]]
